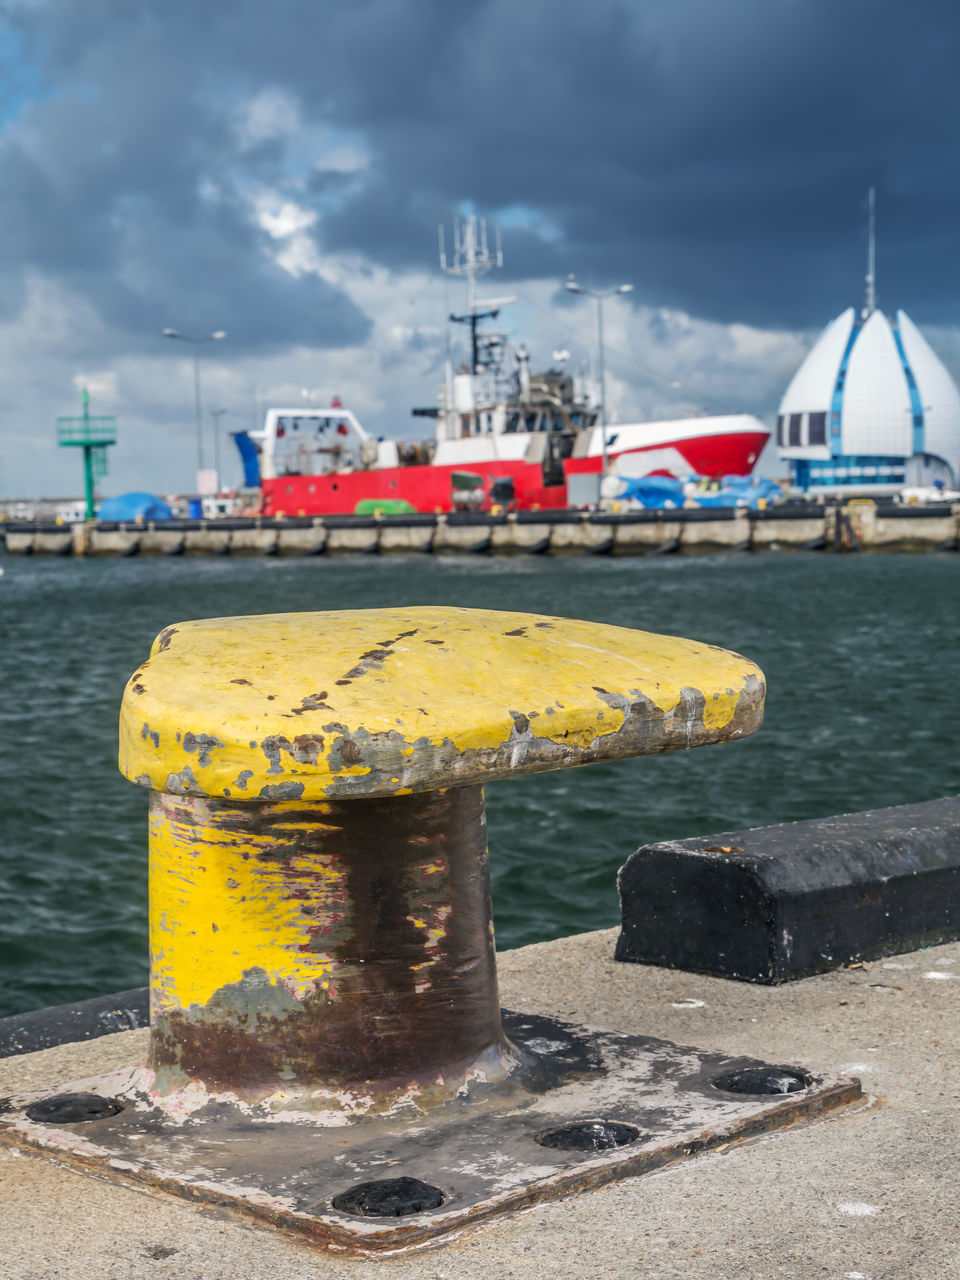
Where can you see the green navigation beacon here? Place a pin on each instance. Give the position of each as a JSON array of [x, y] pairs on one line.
[[93, 435]]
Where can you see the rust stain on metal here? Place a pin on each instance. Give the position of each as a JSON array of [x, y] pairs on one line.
[[396, 985], [374, 659], [312, 702]]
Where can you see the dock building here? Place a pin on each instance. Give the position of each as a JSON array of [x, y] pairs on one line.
[[871, 408]]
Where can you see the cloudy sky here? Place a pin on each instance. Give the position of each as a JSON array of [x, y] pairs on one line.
[[278, 171]]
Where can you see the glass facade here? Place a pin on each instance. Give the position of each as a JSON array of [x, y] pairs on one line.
[[828, 473]]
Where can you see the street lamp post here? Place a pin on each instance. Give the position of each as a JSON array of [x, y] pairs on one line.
[[599, 295], [216, 415], [217, 336]]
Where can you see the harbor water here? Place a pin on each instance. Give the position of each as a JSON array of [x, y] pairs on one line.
[[861, 653]]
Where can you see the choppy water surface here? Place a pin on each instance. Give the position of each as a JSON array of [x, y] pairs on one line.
[[862, 657]]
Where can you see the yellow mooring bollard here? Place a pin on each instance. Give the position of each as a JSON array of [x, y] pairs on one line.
[[320, 917], [327, 1048]]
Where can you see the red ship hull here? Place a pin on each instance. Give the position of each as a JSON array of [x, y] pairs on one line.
[[429, 488]]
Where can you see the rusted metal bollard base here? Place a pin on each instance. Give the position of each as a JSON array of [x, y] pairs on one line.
[[589, 1107]]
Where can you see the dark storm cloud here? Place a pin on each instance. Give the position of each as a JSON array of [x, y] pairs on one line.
[[717, 155], [126, 181]]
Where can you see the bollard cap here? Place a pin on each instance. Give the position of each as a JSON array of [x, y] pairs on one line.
[[383, 702]]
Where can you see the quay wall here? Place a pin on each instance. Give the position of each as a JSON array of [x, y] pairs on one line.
[[850, 528]]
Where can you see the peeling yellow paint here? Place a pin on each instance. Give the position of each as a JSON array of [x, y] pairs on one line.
[[200, 877], [309, 703]]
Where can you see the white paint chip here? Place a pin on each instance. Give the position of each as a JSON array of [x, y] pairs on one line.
[[690, 1004], [857, 1209], [935, 975], [855, 1275], [539, 1044]]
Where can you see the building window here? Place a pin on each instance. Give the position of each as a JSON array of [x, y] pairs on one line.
[[795, 419], [817, 433]]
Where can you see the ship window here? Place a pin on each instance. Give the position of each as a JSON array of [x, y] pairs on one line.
[[817, 433], [489, 419], [782, 430], [794, 438], [513, 422]]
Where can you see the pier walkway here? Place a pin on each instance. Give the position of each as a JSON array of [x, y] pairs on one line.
[[868, 1195], [804, 526]]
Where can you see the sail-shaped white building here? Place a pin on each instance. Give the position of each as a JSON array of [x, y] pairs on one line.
[[871, 408]]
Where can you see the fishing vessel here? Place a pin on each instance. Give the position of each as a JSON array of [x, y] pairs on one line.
[[504, 437]]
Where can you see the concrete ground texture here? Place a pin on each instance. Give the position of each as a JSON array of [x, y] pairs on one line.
[[869, 1194]]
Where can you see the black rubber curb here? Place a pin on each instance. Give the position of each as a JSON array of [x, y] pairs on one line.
[[66, 1023], [771, 904]]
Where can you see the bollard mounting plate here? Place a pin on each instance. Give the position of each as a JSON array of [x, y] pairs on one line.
[[483, 1156]]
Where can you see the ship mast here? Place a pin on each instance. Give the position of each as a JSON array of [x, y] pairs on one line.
[[472, 257]]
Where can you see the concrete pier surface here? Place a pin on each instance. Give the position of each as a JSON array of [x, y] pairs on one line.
[[790, 527], [870, 1194]]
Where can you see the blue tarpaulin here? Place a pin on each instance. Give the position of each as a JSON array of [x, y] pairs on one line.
[[133, 506], [664, 492], [655, 492], [741, 491]]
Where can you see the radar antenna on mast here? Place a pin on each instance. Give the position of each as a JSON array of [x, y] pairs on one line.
[[473, 257]]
